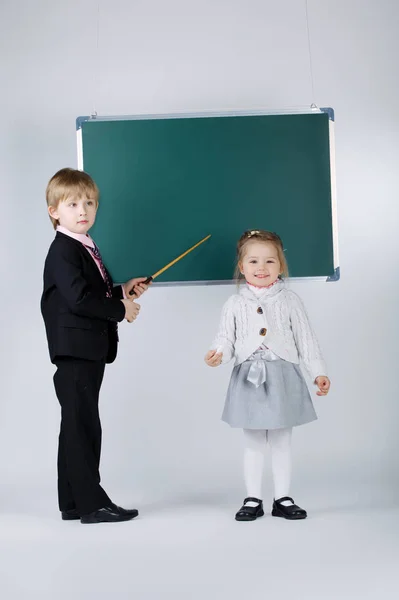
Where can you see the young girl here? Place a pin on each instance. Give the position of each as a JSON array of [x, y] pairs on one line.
[[266, 329]]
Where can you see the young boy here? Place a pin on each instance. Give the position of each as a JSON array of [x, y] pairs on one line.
[[81, 309]]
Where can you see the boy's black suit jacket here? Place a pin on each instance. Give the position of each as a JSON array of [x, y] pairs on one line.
[[81, 322]]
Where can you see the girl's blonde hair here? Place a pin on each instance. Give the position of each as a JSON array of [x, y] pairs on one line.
[[259, 235], [68, 183]]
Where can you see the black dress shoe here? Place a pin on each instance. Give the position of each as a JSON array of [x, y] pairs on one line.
[[108, 514], [250, 513], [125, 511], [70, 515], [291, 512]]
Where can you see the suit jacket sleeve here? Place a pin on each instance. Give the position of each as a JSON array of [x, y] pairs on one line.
[[66, 269], [117, 292]]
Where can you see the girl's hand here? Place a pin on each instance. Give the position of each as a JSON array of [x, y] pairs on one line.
[[323, 383], [213, 358]]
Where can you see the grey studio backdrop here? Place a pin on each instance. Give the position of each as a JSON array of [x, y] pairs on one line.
[[163, 442]]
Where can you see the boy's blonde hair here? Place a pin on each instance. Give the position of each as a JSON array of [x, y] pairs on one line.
[[259, 235], [68, 183]]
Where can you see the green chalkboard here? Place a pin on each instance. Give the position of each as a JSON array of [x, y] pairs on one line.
[[165, 183]]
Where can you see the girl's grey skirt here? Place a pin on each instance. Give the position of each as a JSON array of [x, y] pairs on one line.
[[267, 393]]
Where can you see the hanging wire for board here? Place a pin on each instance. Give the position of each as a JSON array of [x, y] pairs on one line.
[[313, 106], [96, 63]]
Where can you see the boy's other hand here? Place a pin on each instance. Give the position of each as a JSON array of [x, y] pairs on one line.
[[132, 310]]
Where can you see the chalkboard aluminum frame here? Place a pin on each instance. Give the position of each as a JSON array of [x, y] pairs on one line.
[[186, 115]]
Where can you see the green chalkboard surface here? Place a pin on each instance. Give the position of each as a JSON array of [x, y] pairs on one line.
[[165, 183]]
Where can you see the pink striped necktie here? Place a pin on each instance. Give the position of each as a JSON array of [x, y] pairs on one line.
[[97, 254]]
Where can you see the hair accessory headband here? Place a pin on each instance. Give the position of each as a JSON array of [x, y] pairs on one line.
[[251, 233]]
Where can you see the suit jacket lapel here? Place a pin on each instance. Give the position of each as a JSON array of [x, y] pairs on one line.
[[88, 259]]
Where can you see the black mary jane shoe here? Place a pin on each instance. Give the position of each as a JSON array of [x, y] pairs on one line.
[[250, 513], [70, 515], [291, 512]]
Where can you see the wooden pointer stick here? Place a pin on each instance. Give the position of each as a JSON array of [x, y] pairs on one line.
[[149, 279]]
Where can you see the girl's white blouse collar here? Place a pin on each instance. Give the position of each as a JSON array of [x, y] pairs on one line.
[[251, 292]]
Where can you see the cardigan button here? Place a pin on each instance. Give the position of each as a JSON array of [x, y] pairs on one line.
[[259, 311], [262, 331]]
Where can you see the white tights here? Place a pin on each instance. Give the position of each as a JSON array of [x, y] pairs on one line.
[[255, 445]]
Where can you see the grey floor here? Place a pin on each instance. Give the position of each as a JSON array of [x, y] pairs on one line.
[[192, 548]]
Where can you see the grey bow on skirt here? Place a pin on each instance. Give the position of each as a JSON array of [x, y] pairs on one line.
[[257, 370]]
